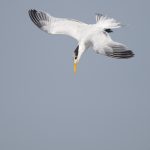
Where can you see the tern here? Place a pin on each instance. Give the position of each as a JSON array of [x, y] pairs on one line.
[[95, 35]]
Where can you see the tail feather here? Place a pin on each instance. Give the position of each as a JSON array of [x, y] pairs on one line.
[[107, 23]]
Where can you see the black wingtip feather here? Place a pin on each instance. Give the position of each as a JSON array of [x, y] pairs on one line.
[[37, 17], [33, 16], [121, 55]]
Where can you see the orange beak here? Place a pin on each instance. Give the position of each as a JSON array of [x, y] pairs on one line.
[[75, 68]]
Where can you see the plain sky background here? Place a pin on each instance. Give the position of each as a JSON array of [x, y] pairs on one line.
[[44, 106]]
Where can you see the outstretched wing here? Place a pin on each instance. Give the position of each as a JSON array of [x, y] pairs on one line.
[[110, 48], [54, 25]]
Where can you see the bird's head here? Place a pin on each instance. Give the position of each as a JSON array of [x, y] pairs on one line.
[[75, 59], [77, 55]]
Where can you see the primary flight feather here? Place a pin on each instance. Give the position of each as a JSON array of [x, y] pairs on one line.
[[87, 35]]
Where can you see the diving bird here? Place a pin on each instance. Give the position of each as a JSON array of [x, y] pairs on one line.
[[95, 35]]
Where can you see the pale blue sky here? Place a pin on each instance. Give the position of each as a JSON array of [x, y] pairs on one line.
[[106, 106]]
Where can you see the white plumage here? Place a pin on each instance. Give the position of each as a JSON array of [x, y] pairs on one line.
[[87, 35]]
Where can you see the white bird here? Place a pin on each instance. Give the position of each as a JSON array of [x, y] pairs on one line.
[[95, 36]]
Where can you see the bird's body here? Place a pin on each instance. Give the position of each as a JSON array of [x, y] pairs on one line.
[[95, 36]]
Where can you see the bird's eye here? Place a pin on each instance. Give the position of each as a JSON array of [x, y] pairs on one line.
[[75, 57]]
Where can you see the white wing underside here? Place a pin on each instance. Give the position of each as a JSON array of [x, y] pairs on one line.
[[110, 48], [54, 25]]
